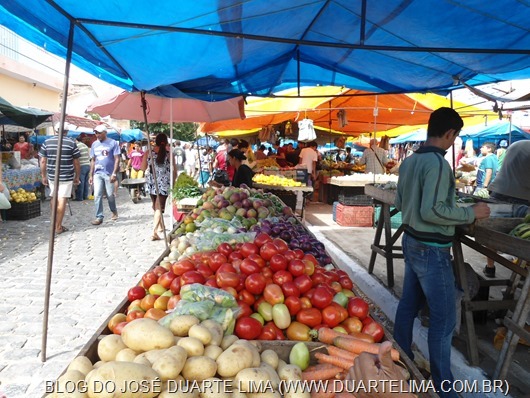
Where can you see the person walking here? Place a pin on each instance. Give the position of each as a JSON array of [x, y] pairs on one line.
[[374, 158], [426, 198], [69, 171], [162, 167], [104, 165], [179, 155], [191, 159], [83, 189]]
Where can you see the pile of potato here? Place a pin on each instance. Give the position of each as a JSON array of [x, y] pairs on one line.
[[149, 360]]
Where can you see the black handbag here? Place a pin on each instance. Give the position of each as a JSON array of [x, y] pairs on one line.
[[221, 177]]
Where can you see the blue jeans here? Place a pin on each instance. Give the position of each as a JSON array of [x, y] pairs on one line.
[[204, 177], [102, 184], [428, 278], [83, 189]]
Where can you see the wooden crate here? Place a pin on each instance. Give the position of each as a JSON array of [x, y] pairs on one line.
[[355, 216]]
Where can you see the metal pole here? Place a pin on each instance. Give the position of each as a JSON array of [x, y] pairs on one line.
[[510, 132], [172, 160], [51, 246], [155, 180]]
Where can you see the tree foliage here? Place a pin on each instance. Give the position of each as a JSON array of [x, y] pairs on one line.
[[181, 131]]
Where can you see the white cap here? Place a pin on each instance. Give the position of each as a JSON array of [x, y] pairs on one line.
[[100, 128], [57, 126]]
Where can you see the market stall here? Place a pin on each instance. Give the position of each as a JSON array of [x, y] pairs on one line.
[[131, 336], [28, 178]]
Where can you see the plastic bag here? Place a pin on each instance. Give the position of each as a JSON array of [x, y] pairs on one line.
[[197, 292], [199, 309]]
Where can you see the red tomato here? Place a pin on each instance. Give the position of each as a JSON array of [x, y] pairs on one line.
[[352, 324], [278, 262], [309, 316], [273, 294], [375, 330], [309, 267], [304, 283], [241, 285], [322, 297], [159, 270], [343, 312], [235, 256], [182, 266], [306, 302], [136, 293], [346, 282], [205, 270], [280, 277], [248, 266], [255, 283], [245, 309], [248, 248], [281, 245], [226, 267], [319, 278], [230, 290], [341, 273], [227, 279], [299, 254], [294, 304], [211, 283], [266, 272], [268, 332], [289, 255], [166, 278], [310, 257], [268, 250], [261, 239], [296, 267], [331, 316], [247, 297], [190, 277], [357, 307], [150, 278], [367, 320], [332, 276], [247, 328], [134, 315], [290, 289], [225, 249], [216, 260], [257, 258], [175, 285]]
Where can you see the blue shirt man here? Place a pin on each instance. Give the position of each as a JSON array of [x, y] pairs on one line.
[[489, 164]]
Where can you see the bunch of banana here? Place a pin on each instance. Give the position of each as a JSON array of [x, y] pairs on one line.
[[522, 230]]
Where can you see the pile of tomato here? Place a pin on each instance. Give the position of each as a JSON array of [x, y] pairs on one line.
[[282, 293]]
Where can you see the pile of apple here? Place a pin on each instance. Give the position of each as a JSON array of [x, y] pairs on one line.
[[282, 293]]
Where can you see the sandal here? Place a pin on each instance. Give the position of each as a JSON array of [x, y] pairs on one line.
[[155, 237], [63, 229]]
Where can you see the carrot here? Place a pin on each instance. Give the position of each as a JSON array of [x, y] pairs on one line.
[[339, 352], [322, 371], [336, 361], [358, 346], [326, 335]]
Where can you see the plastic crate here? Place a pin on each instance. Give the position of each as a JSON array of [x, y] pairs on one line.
[[335, 204], [23, 211], [355, 216], [395, 221], [355, 200]]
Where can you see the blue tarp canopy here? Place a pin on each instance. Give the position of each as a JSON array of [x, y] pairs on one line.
[[110, 134], [129, 135], [214, 49], [494, 132], [207, 141]]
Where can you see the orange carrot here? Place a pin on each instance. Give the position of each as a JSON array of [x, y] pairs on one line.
[[358, 346], [339, 352], [326, 335], [336, 361], [321, 372]]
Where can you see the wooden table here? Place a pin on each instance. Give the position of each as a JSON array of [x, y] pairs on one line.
[[386, 199], [491, 236]]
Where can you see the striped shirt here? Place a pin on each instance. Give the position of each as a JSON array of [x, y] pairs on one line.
[[69, 152], [84, 160]]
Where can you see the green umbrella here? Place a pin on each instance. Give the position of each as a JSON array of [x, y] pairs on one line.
[[27, 117]]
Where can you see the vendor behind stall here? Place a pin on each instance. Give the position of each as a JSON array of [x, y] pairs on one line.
[[512, 185], [244, 173], [24, 147]]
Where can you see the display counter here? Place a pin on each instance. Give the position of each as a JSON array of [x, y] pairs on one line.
[[295, 192]]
